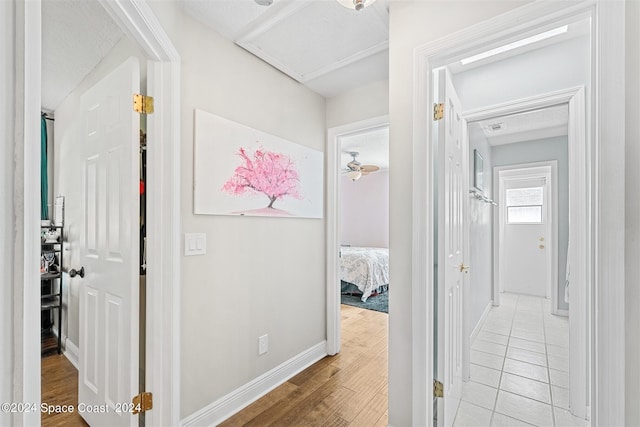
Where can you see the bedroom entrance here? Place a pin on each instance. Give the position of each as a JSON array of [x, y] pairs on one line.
[[357, 222]]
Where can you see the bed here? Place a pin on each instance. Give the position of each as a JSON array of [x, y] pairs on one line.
[[364, 270]]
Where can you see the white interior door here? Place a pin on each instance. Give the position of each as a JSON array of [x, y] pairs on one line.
[[108, 375], [452, 201], [525, 243]]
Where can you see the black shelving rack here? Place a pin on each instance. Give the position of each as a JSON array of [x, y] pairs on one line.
[[51, 284]]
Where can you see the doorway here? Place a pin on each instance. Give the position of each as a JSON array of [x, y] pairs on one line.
[[466, 86], [526, 235], [97, 172], [139, 22], [336, 162]]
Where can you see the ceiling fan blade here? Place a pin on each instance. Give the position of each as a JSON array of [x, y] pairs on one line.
[[369, 168]]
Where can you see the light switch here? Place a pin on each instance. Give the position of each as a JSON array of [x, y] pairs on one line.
[[195, 244]]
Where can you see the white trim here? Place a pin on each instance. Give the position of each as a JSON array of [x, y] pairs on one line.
[[333, 222], [604, 192], [163, 207], [478, 328], [608, 220], [565, 313], [228, 405], [163, 304], [71, 352], [27, 126]]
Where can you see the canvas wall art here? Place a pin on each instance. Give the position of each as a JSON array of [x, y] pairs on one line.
[[244, 171]]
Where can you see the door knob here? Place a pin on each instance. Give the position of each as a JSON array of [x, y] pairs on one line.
[[464, 268], [73, 272], [541, 246], [541, 239]]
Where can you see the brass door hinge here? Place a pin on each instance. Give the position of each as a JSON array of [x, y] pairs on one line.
[[438, 112], [142, 104], [142, 402], [438, 389]]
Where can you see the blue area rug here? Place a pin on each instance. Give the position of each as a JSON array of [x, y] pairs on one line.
[[379, 302]]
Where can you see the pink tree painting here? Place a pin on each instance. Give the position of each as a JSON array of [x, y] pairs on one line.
[[265, 172]]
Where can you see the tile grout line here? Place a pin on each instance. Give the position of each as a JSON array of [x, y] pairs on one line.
[[495, 403], [546, 355]]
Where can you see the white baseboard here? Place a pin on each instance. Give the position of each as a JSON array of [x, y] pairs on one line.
[[476, 330], [561, 312], [240, 398], [71, 352]]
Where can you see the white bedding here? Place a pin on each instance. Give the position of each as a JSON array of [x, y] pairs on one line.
[[367, 268]]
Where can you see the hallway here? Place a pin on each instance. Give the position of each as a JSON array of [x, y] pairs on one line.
[[519, 368]]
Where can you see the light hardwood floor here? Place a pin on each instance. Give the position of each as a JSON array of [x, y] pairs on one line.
[[59, 387], [349, 389]]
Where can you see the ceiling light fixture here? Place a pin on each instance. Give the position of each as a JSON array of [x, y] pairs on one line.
[[354, 175], [264, 2], [355, 4], [515, 45]]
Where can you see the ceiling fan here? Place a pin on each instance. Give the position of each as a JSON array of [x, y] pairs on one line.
[[355, 170]]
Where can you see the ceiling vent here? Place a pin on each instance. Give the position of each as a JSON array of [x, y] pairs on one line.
[[495, 127]]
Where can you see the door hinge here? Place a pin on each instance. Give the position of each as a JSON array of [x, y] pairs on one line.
[[142, 402], [438, 112], [142, 104], [438, 389]]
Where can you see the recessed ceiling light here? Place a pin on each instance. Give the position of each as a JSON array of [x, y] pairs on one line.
[[515, 45], [264, 2]]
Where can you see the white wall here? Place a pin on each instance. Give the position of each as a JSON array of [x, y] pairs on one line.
[[68, 178], [412, 24], [548, 69], [480, 234], [632, 247], [358, 104], [6, 204], [260, 275], [365, 210]]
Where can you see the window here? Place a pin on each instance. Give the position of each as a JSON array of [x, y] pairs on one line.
[[524, 205]]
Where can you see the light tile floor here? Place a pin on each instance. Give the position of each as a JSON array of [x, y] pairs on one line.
[[519, 368]]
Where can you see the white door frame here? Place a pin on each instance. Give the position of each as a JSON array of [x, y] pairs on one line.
[[334, 136], [578, 129], [548, 170], [582, 258], [139, 22], [605, 140]]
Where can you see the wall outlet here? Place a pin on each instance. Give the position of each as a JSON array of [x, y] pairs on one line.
[[263, 344]]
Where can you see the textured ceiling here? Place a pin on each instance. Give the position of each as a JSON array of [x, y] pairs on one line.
[[319, 43], [76, 35], [373, 146], [525, 126]]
